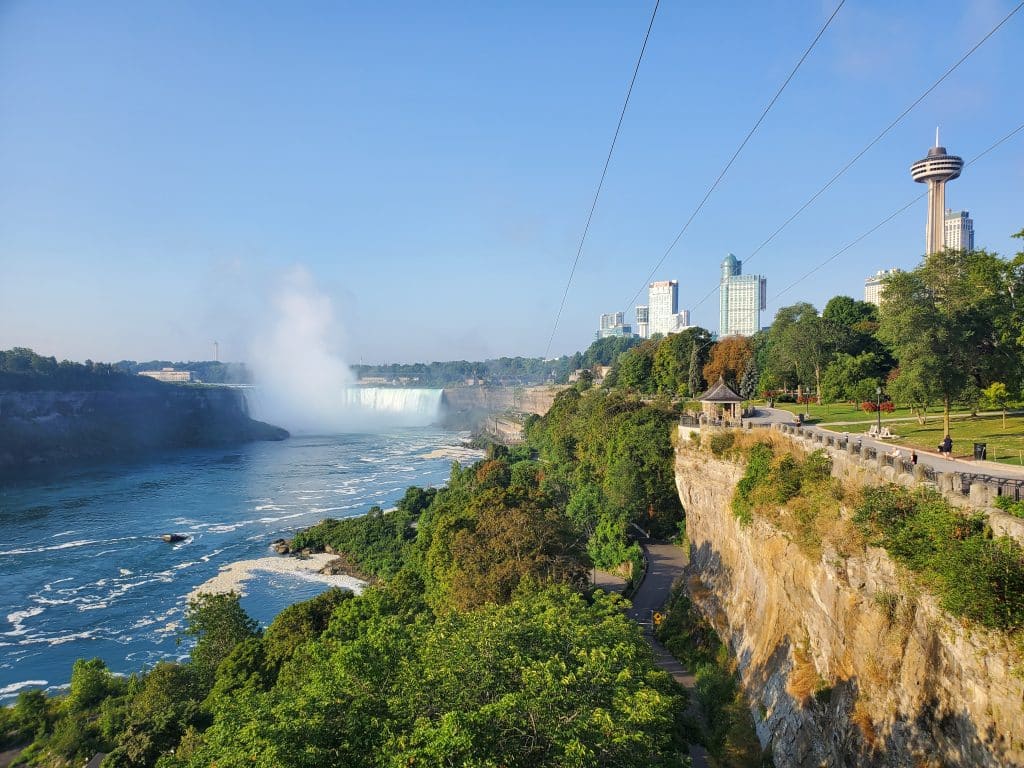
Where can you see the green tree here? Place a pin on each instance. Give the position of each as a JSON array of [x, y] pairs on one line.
[[843, 378], [218, 623], [546, 680], [949, 324], [91, 682], [698, 359], [672, 357], [802, 345], [751, 379], [995, 395], [635, 367]]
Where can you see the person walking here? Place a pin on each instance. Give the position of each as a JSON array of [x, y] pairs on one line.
[[913, 457], [946, 446]]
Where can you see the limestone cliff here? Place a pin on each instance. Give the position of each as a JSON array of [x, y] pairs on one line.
[[470, 406], [52, 428], [843, 660]]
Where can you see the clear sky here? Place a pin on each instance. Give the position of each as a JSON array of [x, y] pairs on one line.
[[429, 166]]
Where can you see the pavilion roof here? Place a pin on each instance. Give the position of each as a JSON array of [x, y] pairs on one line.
[[720, 393]]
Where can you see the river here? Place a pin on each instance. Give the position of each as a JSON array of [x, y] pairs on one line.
[[85, 573]]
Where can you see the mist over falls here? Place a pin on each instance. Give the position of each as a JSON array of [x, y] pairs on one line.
[[412, 407], [353, 409], [303, 382]]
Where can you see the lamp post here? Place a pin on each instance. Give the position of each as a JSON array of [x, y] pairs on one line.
[[878, 408]]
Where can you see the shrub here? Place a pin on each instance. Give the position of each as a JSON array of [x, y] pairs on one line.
[[720, 442], [817, 466], [974, 576], [1008, 505], [759, 463]]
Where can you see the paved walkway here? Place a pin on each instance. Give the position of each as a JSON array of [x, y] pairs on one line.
[[931, 459], [665, 564]]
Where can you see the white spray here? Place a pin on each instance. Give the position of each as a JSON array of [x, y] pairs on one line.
[[302, 380]]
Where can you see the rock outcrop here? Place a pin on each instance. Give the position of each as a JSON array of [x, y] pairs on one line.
[[469, 406], [845, 662], [52, 428]]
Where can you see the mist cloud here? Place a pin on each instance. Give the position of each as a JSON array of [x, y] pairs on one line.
[[302, 380]]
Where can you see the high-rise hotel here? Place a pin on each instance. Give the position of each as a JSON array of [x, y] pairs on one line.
[[642, 320], [662, 310], [741, 300], [873, 285], [958, 231]]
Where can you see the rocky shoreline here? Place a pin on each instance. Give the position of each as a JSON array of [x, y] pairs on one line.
[[232, 577], [340, 565]]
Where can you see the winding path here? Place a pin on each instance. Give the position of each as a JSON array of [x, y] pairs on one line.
[[665, 564]]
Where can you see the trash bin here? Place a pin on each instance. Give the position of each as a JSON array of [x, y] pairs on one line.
[[980, 450]]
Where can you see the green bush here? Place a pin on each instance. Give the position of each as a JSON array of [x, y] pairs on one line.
[[759, 465], [1015, 508], [974, 576], [730, 735], [720, 442]]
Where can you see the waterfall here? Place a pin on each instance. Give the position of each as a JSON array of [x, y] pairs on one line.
[[405, 406]]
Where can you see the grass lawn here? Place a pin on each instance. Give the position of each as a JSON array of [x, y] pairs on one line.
[[1005, 445], [823, 414]]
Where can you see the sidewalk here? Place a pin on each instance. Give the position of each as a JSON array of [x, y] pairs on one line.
[[962, 464]]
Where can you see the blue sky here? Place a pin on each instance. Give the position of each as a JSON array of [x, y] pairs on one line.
[[429, 166]]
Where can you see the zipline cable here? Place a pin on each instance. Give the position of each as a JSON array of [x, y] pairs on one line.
[[600, 184], [736, 154], [890, 217]]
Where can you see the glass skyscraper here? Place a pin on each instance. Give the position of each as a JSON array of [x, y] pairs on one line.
[[741, 299]]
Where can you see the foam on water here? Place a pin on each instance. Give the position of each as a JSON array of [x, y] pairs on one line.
[[21, 685]]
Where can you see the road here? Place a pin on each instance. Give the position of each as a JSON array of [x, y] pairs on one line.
[[665, 564]]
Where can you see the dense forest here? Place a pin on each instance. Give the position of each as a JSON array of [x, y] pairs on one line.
[[23, 370], [503, 371]]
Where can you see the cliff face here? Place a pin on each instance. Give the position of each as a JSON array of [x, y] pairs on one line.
[[49, 428], [466, 406], [844, 661]]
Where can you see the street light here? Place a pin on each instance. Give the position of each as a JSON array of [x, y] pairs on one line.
[[878, 407]]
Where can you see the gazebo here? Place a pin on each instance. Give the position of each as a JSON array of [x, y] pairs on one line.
[[721, 402]]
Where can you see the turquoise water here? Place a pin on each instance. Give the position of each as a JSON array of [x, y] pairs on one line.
[[85, 574]]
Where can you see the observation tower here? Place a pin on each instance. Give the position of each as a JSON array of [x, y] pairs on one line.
[[935, 170]]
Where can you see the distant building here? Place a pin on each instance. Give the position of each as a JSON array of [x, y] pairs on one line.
[[611, 319], [873, 286], [958, 232], [169, 375], [613, 324], [663, 305], [741, 300], [642, 321]]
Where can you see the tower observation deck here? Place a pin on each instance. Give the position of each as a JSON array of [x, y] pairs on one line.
[[935, 170]]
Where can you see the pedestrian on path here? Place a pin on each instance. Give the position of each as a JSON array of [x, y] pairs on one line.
[[946, 446], [913, 457]]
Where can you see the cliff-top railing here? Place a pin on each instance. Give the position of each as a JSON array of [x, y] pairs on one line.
[[974, 489]]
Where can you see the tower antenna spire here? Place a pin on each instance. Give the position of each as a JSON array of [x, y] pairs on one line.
[[936, 135]]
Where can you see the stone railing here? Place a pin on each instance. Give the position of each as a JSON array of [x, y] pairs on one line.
[[853, 456]]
